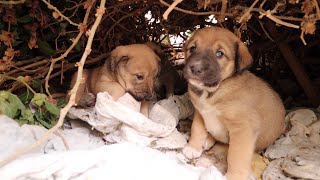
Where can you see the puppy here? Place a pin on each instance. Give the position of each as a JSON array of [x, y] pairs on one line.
[[232, 105], [132, 68], [169, 81]]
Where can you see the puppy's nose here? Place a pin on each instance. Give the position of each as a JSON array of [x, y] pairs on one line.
[[198, 69]]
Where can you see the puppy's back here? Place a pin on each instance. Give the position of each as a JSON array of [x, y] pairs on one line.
[[259, 97]]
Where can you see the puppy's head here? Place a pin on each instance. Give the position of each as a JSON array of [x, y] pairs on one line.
[[136, 68], [212, 55]]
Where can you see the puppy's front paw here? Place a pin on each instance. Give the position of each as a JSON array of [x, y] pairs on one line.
[[190, 152], [208, 143]]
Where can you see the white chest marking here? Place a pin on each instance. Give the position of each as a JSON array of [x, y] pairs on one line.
[[211, 119]]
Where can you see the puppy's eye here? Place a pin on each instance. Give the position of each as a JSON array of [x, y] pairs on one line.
[[219, 54], [139, 77], [192, 49]]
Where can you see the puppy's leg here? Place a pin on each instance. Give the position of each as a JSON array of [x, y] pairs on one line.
[[198, 138], [144, 109], [209, 142], [241, 149], [82, 87]]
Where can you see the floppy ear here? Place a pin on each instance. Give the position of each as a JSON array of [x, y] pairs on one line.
[[156, 49], [117, 56], [243, 58]]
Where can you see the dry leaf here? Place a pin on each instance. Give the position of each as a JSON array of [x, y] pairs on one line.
[[33, 41], [307, 7], [7, 37], [3, 66], [308, 26], [9, 55], [10, 16], [55, 15]]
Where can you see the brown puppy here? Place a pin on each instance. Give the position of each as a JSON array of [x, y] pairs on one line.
[[232, 105], [131, 68], [169, 81]]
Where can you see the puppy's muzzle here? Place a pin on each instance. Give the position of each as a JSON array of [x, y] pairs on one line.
[[198, 69], [204, 69], [141, 95]]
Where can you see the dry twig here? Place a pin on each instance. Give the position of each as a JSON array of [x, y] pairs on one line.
[[13, 2], [59, 13], [196, 13], [170, 8], [82, 29], [269, 15], [247, 13], [223, 10]]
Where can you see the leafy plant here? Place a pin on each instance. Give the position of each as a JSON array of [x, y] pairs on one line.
[[39, 111], [30, 108]]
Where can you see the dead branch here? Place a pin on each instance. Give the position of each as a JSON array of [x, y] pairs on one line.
[[216, 13], [170, 8], [247, 13], [13, 2], [223, 10], [82, 29], [269, 15], [59, 13], [63, 112]]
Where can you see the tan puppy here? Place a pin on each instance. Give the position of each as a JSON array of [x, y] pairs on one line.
[[232, 105], [131, 68]]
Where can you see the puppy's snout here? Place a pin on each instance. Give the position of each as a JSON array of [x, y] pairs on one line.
[[149, 96], [198, 69]]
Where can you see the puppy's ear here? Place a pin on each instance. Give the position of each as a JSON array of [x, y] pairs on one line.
[[243, 58], [116, 60], [156, 49], [117, 56]]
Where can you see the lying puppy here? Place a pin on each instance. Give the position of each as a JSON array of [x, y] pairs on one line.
[[233, 106], [132, 68]]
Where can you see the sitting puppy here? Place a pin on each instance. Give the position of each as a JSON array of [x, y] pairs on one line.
[[132, 68], [232, 105]]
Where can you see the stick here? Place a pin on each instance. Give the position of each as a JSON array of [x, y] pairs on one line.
[[247, 13], [60, 14], [170, 8], [82, 28], [13, 2]]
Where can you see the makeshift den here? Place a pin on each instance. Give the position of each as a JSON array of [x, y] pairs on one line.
[[44, 136]]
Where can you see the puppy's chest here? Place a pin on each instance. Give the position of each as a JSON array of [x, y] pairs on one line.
[[214, 125]]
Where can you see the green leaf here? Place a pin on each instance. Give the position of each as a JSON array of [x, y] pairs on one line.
[[53, 109], [10, 104], [40, 118], [61, 102], [36, 84], [16, 101], [26, 96], [39, 99], [45, 48], [26, 117], [25, 19]]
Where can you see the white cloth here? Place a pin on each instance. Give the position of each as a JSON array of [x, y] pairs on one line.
[[122, 121]]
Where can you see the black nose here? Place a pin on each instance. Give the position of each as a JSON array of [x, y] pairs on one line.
[[198, 69]]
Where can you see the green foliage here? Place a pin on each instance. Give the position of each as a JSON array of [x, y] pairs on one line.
[[45, 48], [30, 108]]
